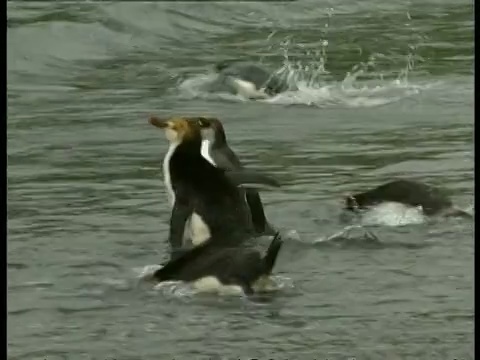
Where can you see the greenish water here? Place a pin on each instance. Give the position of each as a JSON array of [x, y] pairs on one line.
[[385, 90]]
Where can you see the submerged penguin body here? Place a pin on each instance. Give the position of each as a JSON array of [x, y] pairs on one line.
[[228, 266], [432, 200]]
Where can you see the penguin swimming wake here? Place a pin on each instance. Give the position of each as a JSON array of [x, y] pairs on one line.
[[206, 201], [242, 267], [247, 79], [217, 152], [432, 200]]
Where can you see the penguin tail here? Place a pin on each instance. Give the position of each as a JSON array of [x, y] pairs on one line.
[[272, 253]]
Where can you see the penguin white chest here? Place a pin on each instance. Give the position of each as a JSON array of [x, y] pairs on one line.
[[199, 231], [166, 173], [248, 89]]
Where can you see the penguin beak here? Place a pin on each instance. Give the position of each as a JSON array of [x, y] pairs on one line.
[[160, 123]]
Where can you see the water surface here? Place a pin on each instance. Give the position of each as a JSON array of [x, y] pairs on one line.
[[385, 90]]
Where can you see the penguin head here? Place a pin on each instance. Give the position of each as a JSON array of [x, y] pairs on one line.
[[211, 125], [220, 66], [178, 129], [351, 202]]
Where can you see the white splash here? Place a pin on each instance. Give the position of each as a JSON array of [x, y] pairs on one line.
[[393, 214], [310, 84], [347, 232], [146, 271], [371, 94]]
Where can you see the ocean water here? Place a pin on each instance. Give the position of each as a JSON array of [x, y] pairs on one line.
[[385, 90]]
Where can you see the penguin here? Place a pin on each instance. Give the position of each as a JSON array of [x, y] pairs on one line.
[[240, 267], [432, 200], [218, 153], [247, 79], [206, 201]]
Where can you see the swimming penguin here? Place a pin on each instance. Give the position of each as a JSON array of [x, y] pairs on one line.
[[221, 155], [241, 267], [206, 200], [432, 200], [247, 79]]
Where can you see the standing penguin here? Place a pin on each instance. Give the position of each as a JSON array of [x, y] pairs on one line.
[[221, 155], [206, 200]]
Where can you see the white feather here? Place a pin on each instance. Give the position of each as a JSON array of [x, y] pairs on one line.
[[166, 173], [205, 151], [198, 230], [213, 285], [248, 89]]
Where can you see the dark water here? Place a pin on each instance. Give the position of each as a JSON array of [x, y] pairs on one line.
[[386, 89]]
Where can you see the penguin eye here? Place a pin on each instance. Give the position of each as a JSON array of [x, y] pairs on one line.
[[203, 122]]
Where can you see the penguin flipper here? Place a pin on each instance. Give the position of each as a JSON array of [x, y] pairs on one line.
[[272, 253], [178, 219], [256, 209], [251, 179]]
